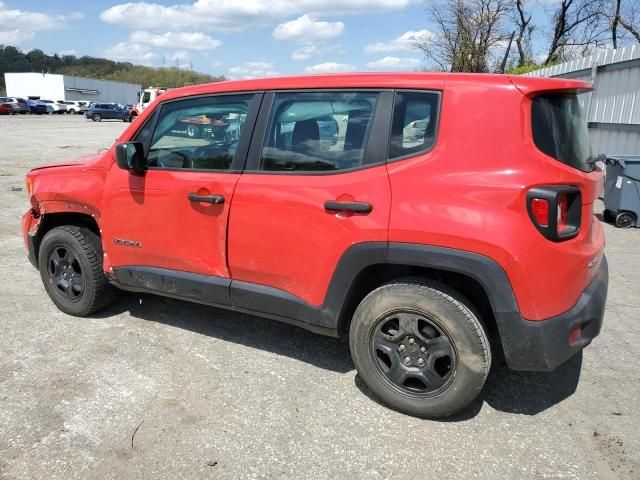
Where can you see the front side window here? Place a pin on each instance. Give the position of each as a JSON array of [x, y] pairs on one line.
[[198, 133], [415, 118], [318, 131]]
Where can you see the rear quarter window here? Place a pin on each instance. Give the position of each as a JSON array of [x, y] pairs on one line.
[[415, 121], [560, 130]]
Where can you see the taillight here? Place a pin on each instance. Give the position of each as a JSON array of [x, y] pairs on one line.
[[555, 211], [540, 211]]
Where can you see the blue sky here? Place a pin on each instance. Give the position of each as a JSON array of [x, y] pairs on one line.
[[235, 38]]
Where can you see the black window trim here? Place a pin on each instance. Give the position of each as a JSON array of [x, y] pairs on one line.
[[423, 151], [240, 156], [376, 150]]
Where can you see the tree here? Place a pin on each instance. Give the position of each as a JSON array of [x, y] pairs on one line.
[[577, 29], [627, 17], [469, 36], [524, 32]]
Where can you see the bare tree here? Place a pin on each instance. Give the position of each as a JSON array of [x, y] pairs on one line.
[[577, 28], [523, 37], [469, 34], [627, 16], [615, 21]]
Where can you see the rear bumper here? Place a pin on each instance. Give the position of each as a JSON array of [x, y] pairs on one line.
[[543, 345]]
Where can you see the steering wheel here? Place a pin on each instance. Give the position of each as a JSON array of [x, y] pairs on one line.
[[168, 162]]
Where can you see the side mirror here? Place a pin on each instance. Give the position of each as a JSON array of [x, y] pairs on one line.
[[130, 156]]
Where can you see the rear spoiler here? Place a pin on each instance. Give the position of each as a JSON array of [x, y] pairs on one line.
[[530, 86]]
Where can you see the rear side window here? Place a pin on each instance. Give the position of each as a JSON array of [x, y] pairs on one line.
[[415, 118], [560, 130], [318, 131]]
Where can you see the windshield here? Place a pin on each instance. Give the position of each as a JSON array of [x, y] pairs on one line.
[[560, 130], [146, 96]]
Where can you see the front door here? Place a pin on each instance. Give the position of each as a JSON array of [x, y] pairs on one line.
[[172, 220], [315, 184]]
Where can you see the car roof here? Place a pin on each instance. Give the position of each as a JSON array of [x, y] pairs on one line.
[[406, 80]]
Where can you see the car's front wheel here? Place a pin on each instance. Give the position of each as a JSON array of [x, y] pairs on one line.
[[70, 264], [96, 117], [420, 348]]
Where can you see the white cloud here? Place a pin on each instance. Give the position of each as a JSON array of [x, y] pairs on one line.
[[17, 26], [306, 29], [14, 37], [330, 67], [253, 70], [305, 52], [131, 52], [234, 14], [404, 42], [190, 41], [394, 63]]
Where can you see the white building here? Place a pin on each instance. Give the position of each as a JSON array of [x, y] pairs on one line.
[[49, 86]]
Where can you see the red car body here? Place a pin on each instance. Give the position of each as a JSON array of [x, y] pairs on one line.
[[467, 197]]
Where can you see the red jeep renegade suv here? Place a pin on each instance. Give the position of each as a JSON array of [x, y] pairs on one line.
[[435, 219]]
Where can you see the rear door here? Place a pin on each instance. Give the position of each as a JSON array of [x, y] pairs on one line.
[[315, 184]]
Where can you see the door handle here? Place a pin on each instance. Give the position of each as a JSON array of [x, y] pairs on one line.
[[212, 199], [357, 207]]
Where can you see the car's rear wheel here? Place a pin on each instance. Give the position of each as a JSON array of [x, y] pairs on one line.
[[625, 220], [70, 264], [96, 117], [420, 348]]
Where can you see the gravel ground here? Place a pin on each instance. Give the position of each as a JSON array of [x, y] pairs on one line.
[[157, 388]]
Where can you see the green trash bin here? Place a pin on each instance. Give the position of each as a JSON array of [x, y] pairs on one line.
[[622, 190]]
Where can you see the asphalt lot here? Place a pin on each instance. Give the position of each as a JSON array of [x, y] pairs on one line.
[[157, 388]]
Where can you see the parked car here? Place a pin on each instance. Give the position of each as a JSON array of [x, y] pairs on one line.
[[37, 107], [54, 107], [432, 256], [5, 108], [106, 111], [18, 105], [75, 106], [64, 104]]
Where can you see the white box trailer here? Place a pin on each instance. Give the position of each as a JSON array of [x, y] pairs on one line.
[[65, 87]]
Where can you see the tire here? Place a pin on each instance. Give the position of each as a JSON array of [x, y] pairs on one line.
[[70, 264], [193, 131], [625, 220], [72, 111], [96, 117], [420, 348], [132, 117], [608, 216]]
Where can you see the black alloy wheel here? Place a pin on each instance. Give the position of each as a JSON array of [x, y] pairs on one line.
[[65, 273], [413, 353]]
